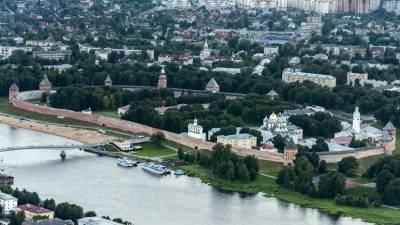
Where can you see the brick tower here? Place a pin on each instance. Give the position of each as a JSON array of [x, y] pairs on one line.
[[289, 153], [162, 80], [388, 139], [13, 92]]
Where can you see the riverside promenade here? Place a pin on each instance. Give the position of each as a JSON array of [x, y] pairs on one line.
[[80, 135]]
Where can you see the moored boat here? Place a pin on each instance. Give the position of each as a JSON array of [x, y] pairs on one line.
[[179, 172], [125, 162], [156, 169]]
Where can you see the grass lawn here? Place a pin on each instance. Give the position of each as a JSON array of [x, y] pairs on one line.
[[271, 189], [269, 167], [152, 150], [111, 114]]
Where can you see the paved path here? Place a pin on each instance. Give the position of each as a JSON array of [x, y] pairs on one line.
[[266, 175]]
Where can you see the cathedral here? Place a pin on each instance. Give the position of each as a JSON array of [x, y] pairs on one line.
[[375, 137], [278, 124]]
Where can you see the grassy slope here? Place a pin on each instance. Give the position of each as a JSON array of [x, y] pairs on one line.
[[7, 108], [270, 188], [152, 150]]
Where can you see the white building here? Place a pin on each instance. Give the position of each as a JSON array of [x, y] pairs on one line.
[[292, 76], [271, 50], [374, 5], [279, 124], [205, 53], [392, 6], [123, 145], [196, 131], [374, 83], [7, 51], [178, 4], [356, 120], [123, 109], [8, 203]]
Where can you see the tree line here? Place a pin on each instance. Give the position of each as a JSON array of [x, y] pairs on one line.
[[64, 210], [225, 164]]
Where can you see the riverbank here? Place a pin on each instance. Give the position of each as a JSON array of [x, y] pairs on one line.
[[262, 184], [77, 134], [267, 185]]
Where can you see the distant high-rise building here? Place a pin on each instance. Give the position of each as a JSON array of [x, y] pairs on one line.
[[374, 5], [353, 6], [392, 6]]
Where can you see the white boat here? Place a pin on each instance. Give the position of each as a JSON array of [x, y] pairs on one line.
[[125, 162], [155, 168]]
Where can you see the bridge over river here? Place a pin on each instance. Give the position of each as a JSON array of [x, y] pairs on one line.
[[55, 147]]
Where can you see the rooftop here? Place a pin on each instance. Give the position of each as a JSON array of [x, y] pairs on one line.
[[13, 87], [4, 197], [389, 126], [96, 221], [212, 83], [289, 71], [54, 221], [237, 136], [33, 209]]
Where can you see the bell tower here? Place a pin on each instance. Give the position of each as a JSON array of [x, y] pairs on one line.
[[162, 80], [356, 120]]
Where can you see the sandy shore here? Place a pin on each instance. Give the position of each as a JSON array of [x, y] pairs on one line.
[[81, 135]]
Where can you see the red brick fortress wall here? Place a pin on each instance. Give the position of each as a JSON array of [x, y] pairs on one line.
[[133, 127]]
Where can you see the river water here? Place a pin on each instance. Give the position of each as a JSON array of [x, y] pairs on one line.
[[98, 184]]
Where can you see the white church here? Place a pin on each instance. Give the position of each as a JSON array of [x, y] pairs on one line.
[[196, 131], [359, 130]]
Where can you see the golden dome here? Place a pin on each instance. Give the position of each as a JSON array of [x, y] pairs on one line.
[[273, 117]]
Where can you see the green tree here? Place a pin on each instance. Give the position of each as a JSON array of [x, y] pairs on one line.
[[279, 142], [17, 218], [348, 165], [330, 185], [391, 195], [320, 145], [383, 179], [323, 167], [181, 154], [157, 138], [243, 173], [66, 211], [90, 214], [49, 204]]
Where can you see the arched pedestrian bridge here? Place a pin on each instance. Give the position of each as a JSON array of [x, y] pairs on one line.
[[55, 147]]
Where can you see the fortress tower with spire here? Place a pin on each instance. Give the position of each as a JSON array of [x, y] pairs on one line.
[[45, 85], [13, 92]]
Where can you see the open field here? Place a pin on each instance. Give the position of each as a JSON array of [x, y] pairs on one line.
[[152, 150], [111, 114]]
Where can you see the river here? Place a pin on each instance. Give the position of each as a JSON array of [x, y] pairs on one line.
[[98, 184]]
